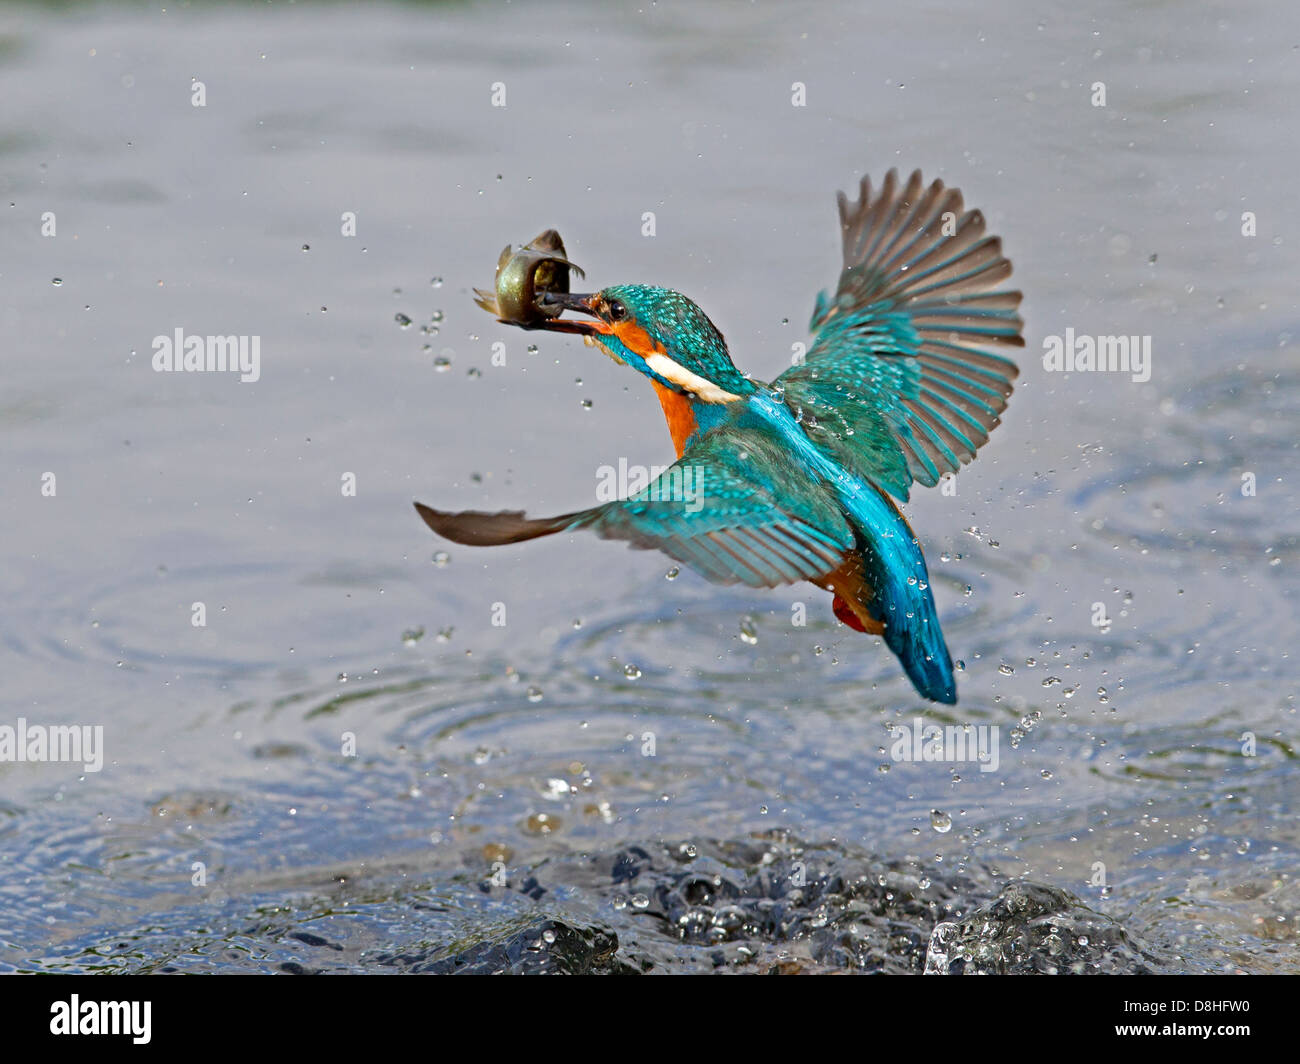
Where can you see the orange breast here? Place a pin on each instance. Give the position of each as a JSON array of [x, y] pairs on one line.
[[678, 414]]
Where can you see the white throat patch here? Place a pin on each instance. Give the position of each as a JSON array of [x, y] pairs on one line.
[[692, 382]]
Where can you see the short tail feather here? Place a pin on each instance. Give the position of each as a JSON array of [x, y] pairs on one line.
[[917, 641]]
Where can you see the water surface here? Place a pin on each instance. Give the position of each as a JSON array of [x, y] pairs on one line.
[[500, 791]]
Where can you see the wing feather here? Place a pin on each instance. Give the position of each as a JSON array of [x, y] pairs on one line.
[[748, 518], [899, 357]]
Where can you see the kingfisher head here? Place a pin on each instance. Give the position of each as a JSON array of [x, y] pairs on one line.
[[657, 332]]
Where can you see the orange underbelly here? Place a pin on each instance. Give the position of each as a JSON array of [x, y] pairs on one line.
[[852, 595], [678, 414]]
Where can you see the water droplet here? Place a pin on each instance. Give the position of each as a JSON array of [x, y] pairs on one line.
[[940, 821], [586, 404], [541, 824], [437, 316], [672, 573], [532, 349], [534, 694], [412, 636], [57, 281], [441, 364], [402, 320], [306, 247], [436, 282], [631, 672], [1006, 669], [441, 559], [640, 901], [1046, 773], [748, 632]]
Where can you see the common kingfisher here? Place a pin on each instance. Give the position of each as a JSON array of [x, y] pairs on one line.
[[794, 478]]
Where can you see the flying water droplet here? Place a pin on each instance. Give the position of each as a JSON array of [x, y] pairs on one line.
[[940, 821], [748, 631]]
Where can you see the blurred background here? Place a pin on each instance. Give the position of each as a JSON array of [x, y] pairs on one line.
[[348, 766]]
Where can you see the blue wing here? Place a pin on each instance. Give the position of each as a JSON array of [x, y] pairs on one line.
[[731, 508], [896, 384]]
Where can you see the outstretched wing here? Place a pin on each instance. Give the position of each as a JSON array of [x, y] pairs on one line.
[[896, 385], [730, 508]]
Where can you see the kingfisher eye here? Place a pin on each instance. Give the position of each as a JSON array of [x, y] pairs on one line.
[[616, 310]]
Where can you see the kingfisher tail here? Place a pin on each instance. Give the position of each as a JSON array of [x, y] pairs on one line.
[[885, 588]]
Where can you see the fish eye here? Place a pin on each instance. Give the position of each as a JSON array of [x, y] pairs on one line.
[[615, 310]]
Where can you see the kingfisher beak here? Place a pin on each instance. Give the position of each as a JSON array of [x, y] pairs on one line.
[[558, 302]]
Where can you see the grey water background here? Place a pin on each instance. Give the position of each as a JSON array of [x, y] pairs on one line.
[[499, 806]]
